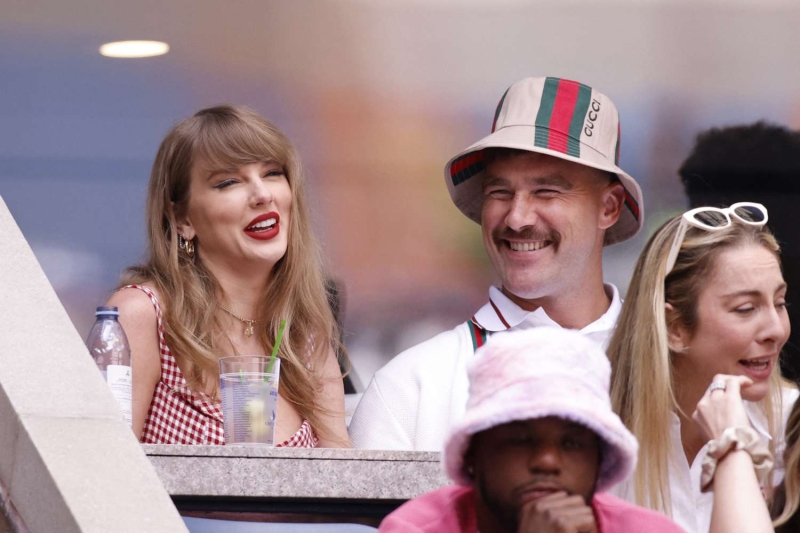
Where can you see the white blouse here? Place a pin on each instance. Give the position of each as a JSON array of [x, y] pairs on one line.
[[691, 509]]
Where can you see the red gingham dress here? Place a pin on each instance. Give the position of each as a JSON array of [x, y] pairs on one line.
[[179, 415]]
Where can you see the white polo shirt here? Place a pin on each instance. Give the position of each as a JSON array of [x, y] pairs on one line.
[[414, 399], [691, 509]]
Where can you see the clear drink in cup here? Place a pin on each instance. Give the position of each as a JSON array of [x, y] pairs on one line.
[[249, 391]]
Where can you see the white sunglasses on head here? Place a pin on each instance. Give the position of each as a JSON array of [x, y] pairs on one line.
[[715, 219]]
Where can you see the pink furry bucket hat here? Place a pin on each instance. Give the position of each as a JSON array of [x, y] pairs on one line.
[[540, 372]]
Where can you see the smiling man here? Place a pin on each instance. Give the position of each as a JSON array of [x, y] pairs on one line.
[[546, 189], [537, 447]]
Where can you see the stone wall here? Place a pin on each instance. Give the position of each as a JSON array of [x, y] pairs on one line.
[[68, 461]]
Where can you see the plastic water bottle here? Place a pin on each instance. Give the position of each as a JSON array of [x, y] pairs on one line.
[[108, 345]]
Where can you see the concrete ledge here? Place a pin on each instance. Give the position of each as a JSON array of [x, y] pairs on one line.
[[242, 471], [68, 461]]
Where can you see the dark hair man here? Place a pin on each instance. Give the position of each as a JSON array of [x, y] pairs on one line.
[[537, 447]]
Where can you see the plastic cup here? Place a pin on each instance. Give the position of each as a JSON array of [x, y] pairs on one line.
[[249, 399]]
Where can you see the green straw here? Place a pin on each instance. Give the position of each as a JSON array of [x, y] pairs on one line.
[[275, 348]]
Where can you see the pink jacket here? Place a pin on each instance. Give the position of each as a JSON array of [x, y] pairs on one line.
[[451, 509]]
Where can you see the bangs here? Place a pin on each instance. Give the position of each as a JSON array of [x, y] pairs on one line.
[[225, 142]]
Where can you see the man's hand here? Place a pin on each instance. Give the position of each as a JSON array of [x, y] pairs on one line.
[[557, 513]]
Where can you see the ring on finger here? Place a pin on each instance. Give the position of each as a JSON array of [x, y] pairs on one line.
[[718, 385]]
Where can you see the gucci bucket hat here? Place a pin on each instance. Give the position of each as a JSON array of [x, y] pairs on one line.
[[555, 117]]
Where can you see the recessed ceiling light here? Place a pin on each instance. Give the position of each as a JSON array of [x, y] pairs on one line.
[[134, 49]]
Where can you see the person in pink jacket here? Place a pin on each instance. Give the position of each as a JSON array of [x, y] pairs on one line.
[[537, 447]]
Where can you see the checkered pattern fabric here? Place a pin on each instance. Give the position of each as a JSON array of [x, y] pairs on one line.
[[302, 438], [179, 415]]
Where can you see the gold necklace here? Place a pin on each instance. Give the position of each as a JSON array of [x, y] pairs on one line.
[[250, 323]]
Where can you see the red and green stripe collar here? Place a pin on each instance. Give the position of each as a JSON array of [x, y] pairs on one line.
[[499, 314]]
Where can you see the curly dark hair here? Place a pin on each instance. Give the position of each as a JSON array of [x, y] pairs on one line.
[[763, 157]]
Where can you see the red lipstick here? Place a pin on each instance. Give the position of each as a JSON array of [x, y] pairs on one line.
[[264, 232]]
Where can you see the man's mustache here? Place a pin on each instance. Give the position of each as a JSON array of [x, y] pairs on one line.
[[526, 234]]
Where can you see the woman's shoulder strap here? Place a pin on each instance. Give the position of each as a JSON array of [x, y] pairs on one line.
[[154, 299], [170, 371]]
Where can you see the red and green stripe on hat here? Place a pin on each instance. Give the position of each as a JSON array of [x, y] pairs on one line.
[[566, 120], [560, 121], [561, 115]]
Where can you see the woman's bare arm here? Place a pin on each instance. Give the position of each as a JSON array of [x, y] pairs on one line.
[[138, 318], [332, 398], [738, 502], [739, 505]]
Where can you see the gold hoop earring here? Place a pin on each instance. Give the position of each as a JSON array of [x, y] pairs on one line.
[[187, 245]]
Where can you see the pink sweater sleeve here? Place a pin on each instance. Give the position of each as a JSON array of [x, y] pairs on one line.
[[618, 516], [393, 524], [450, 509]]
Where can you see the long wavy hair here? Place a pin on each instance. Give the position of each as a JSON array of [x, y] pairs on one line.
[[789, 492], [642, 386], [226, 138]]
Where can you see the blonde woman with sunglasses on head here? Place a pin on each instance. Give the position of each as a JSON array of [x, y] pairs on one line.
[[707, 297]]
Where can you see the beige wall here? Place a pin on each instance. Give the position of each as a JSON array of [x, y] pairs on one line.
[[68, 461]]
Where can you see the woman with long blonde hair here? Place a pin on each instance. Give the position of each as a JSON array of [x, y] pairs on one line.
[[230, 254], [786, 506], [707, 297]]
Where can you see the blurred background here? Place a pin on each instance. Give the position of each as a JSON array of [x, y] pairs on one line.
[[377, 95]]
